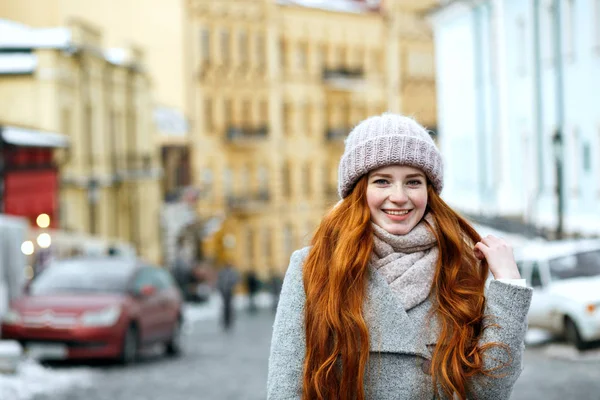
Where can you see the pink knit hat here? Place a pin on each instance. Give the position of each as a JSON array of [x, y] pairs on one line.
[[388, 139]]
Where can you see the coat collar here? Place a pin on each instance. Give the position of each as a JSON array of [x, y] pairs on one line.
[[391, 329]]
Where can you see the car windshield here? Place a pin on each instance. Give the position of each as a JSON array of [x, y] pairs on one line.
[[576, 266], [83, 276]]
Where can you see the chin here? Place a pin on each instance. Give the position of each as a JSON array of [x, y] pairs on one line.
[[398, 229]]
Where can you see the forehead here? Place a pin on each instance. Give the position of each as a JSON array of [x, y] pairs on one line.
[[397, 170]]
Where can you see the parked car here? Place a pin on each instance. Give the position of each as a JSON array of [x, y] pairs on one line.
[[96, 308], [565, 277]]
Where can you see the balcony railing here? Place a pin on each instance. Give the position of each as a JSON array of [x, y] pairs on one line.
[[344, 78], [251, 202], [244, 134], [337, 134]]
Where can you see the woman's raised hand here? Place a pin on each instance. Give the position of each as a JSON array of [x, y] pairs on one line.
[[499, 255]]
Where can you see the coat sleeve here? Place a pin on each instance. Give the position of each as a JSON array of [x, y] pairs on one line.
[[506, 319], [288, 345]]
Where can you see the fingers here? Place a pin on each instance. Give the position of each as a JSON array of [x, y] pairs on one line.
[[481, 250]]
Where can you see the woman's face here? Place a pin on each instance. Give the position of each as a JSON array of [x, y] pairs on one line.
[[397, 197]]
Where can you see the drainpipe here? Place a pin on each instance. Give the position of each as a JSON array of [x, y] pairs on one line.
[[539, 104], [560, 118], [481, 105]]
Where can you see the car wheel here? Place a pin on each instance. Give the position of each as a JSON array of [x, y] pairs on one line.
[[572, 334], [129, 350], [174, 346]]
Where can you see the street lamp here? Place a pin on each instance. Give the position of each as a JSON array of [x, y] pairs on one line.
[[557, 145], [93, 192]]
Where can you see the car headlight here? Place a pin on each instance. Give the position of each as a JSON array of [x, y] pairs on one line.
[[106, 317], [11, 317]]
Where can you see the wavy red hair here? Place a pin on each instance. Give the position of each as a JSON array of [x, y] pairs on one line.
[[335, 276]]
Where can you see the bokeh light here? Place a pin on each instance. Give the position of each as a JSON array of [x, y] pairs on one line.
[[44, 240], [27, 247], [43, 220]]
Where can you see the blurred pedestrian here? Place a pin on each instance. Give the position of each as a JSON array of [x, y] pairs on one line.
[[275, 286], [227, 279], [390, 300], [253, 285]]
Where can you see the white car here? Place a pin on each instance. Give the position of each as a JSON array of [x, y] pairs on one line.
[[565, 277]]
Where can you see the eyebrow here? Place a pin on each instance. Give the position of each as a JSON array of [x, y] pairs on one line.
[[409, 176]]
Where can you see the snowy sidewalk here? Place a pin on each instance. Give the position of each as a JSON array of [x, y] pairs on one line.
[[32, 379]]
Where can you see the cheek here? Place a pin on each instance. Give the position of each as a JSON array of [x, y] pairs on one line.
[[374, 199], [420, 200]]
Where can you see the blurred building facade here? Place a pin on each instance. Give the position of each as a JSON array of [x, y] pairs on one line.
[[516, 84], [62, 80], [277, 85]]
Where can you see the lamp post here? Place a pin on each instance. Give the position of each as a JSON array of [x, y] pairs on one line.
[[93, 188], [557, 145]]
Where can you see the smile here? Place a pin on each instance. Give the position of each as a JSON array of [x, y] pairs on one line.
[[390, 212]]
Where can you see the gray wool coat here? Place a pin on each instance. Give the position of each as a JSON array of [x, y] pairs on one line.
[[401, 343]]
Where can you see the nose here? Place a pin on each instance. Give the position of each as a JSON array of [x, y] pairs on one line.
[[398, 194]]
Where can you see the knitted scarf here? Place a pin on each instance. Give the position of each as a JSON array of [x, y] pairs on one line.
[[407, 262]]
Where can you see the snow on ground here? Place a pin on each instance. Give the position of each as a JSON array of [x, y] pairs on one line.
[[33, 379], [211, 309]]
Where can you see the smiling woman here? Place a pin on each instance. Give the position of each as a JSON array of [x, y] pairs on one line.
[[389, 302]]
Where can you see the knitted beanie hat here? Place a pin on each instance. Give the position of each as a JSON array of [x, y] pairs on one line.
[[388, 139]]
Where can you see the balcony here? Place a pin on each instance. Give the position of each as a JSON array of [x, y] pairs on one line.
[[248, 203], [337, 134], [348, 79], [241, 135]]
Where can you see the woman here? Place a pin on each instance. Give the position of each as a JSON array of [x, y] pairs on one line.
[[390, 301]]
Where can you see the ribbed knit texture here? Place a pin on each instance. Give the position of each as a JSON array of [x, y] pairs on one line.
[[388, 139], [407, 262]]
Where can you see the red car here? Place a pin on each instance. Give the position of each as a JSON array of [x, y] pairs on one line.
[[96, 308]]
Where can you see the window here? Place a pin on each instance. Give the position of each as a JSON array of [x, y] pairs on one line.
[[145, 277], [521, 46], [227, 181], [307, 184], [548, 27], [286, 179], [262, 175], [596, 24], [227, 113], [282, 54], [267, 246], [246, 113], [587, 157], [288, 240], [225, 46], [243, 47], [250, 246], [287, 119], [570, 25], [205, 45], [260, 49], [164, 278], [264, 112], [301, 54], [208, 115]]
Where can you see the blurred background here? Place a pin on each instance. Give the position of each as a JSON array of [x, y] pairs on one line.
[[160, 160]]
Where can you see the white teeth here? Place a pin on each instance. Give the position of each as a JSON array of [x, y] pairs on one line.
[[396, 212]]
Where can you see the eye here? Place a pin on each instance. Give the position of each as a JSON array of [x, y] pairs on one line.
[[414, 182], [381, 181]]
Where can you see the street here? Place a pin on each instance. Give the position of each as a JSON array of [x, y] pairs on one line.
[[234, 367]]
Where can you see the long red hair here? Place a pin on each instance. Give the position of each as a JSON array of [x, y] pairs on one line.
[[335, 274]]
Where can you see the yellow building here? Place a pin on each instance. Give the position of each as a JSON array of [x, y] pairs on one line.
[[277, 85], [67, 82]]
